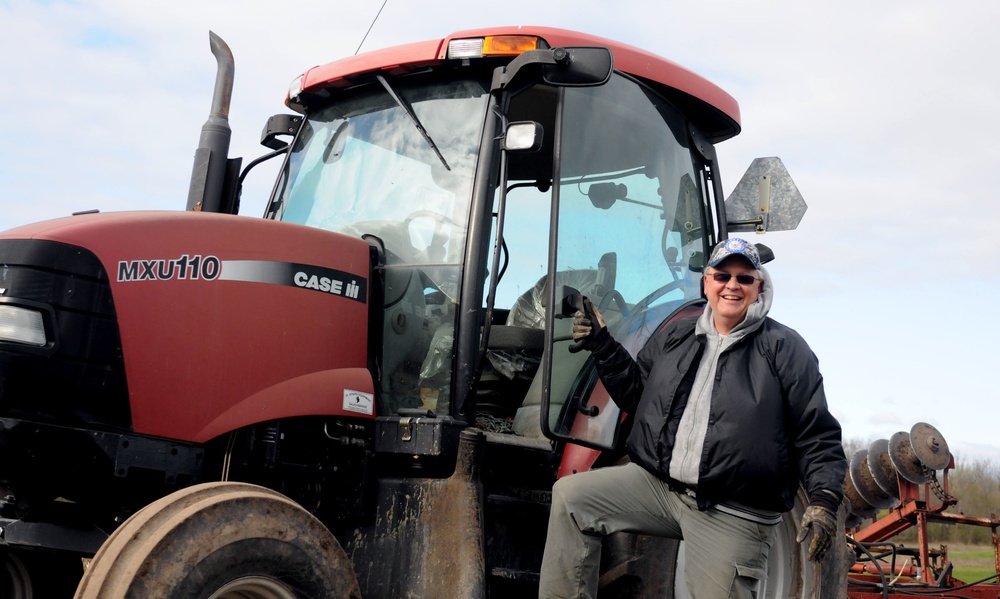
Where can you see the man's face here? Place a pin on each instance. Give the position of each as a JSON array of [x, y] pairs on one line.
[[731, 300]]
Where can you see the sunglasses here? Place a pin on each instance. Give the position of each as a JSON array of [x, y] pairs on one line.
[[723, 277]]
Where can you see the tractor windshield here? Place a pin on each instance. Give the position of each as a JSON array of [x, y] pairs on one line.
[[396, 159], [363, 165]]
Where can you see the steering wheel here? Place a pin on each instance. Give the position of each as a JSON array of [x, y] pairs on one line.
[[644, 303], [437, 217], [613, 296], [435, 249]]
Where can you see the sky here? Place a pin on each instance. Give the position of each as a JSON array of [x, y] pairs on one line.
[[885, 114]]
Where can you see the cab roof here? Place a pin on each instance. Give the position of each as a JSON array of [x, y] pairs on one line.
[[714, 110]]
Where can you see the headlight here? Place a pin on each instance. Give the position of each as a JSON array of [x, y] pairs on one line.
[[492, 45], [22, 325], [295, 88], [526, 135], [466, 48]]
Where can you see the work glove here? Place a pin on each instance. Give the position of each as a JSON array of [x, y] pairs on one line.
[[590, 332], [819, 524]]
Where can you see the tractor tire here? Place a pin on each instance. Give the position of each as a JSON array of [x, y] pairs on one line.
[[15, 580], [220, 540], [38, 574]]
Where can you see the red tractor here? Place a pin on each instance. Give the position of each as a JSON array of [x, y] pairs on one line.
[[367, 392]]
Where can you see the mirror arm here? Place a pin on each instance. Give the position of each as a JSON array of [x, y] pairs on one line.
[[504, 75], [737, 226], [759, 224]]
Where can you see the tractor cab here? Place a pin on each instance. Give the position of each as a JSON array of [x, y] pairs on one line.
[[495, 177]]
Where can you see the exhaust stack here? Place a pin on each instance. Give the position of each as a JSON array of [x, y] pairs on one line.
[[211, 159]]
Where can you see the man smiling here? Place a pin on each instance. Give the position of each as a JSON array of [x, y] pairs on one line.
[[730, 418], [732, 285]]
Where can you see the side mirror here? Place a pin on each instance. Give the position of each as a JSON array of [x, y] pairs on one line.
[[765, 199], [604, 195], [576, 67], [564, 67]]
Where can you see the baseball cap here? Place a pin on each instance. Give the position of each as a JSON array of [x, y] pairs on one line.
[[734, 246]]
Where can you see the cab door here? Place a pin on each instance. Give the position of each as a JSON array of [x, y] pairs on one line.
[[630, 228]]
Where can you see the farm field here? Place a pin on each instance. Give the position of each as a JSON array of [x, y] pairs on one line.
[[972, 562]]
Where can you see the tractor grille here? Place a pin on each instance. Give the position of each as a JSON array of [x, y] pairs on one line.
[[80, 379]]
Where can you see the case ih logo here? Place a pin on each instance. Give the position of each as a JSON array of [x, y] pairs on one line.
[[327, 284], [290, 274], [185, 267]]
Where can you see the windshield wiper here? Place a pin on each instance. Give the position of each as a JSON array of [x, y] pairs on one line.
[[413, 117]]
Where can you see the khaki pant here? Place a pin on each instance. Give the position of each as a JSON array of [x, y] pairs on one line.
[[726, 556]]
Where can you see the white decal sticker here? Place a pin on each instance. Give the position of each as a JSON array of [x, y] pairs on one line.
[[359, 401]]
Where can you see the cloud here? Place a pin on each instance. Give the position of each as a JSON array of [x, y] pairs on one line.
[[886, 420]]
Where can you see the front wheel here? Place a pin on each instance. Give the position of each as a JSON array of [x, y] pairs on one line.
[[220, 541]]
